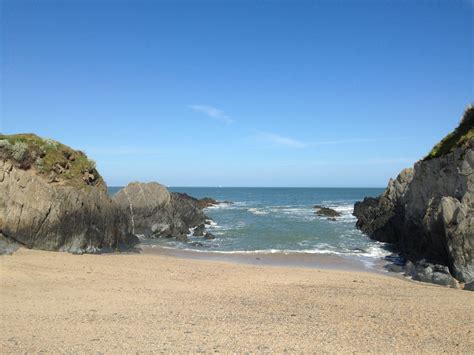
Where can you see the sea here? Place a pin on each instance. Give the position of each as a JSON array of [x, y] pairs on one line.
[[280, 221]]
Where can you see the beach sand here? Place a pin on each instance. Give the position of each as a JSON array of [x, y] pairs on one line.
[[58, 302]]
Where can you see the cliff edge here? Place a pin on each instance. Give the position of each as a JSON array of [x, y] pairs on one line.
[[428, 210]]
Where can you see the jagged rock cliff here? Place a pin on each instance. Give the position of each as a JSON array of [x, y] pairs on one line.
[[428, 210], [53, 198], [155, 212]]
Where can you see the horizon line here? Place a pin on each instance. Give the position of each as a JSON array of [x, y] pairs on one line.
[[270, 187]]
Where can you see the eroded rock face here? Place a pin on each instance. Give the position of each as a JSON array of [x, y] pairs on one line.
[[428, 211], [379, 217], [155, 212], [53, 215]]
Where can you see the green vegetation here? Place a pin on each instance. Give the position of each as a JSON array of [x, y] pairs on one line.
[[52, 159], [462, 134]]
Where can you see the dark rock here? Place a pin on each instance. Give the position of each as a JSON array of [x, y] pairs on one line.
[[155, 212], [394, 268], [427, 212], [69, 155], [396, 259], [410, 268], [199, 230], [196, 244], [424, 271], [209, 236], [469, 286], [206, 202], [326, 212], [200, 203], [441, 278], [7, 245]]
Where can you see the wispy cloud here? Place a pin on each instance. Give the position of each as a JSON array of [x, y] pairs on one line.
[[212, 112], [355, 140], [276, 139]]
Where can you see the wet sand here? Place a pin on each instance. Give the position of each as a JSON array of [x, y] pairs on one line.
[[57, 302], [306, 260]]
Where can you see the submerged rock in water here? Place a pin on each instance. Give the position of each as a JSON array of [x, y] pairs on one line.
[[46, 203], [199, 230], [197, 244], [428, 211], [326, 212], [209, 236], [206, 202], [155, 212], [200, 203]]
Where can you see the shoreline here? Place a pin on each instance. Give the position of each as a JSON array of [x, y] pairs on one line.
[[58, 302], [324, 261]]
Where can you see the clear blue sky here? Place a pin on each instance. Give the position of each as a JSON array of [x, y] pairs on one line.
[[239, 93]]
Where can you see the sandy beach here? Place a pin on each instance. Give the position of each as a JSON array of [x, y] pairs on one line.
[[58, 302]]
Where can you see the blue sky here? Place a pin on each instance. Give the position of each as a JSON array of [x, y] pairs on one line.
[[239, 93]]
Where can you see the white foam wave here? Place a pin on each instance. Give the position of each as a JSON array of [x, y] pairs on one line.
[[259, 251], [297, 212], [257, 211], [372, 252], [344, 209], [376, 251], [229, 205], [220, 205]]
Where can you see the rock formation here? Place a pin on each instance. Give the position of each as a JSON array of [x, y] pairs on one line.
[[155, 212], [326, 212], [53, 198], [204, 202], [428, 210]]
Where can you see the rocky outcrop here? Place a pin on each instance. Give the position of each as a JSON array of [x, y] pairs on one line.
[[379, 217], [47, 201], [200, 230], [326, 212], [155, 212], [428, 211], [205, 202]]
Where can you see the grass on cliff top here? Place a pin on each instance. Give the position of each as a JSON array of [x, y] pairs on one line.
[[462, 134], [46, 155]]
